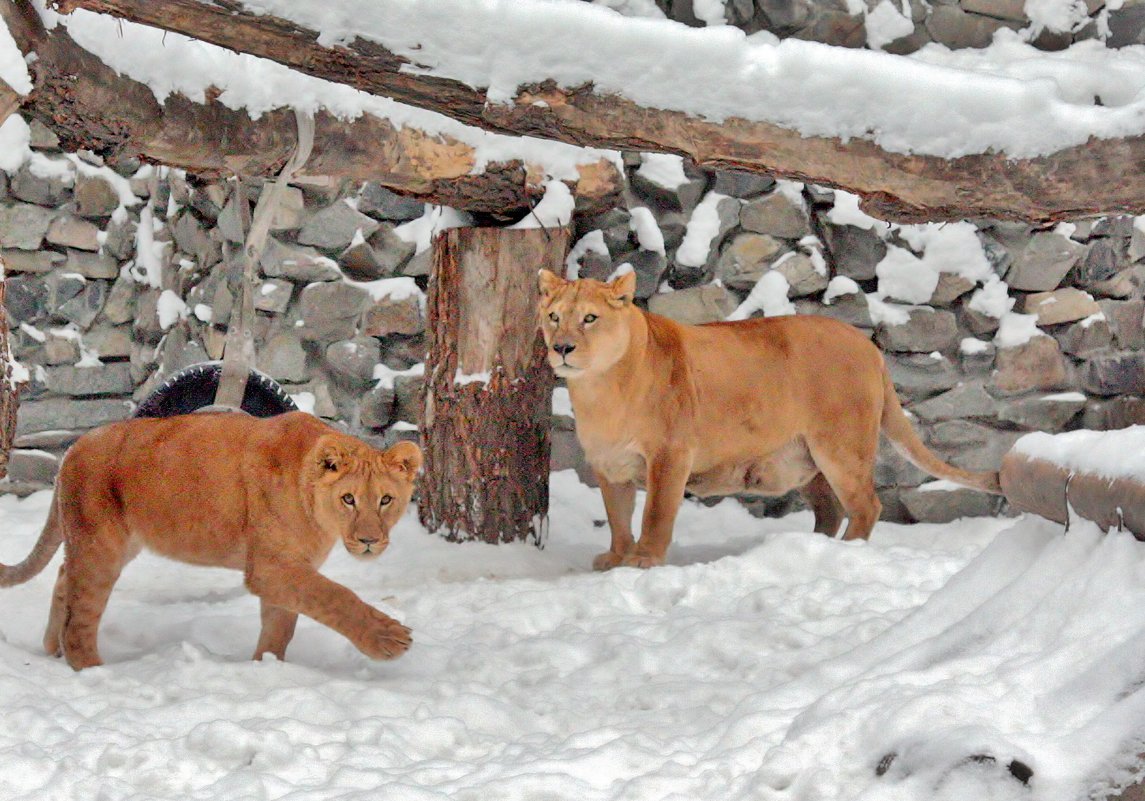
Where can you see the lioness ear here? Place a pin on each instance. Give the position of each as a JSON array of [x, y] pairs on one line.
[[623, 288], [406, 457], [549, 282], [329, 455]]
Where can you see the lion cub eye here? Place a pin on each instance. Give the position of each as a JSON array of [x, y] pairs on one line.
[[590, 318], [386, 500], [348, 499], [556, 318]]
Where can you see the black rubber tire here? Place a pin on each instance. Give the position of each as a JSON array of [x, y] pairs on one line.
[[194, 387]]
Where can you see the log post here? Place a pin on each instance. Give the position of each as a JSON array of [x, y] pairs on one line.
[[9, 390], [488, 389]]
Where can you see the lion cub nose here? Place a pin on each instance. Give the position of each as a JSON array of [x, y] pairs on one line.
[[564, 348]]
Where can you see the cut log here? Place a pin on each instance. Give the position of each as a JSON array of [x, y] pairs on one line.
[[9, 392], [1101, 176], [90, 106], [488, 389]]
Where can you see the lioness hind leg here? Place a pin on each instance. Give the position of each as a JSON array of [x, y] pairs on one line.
[[52, 644], [821, 498], [93, 562], [850, 474], [277, 630]]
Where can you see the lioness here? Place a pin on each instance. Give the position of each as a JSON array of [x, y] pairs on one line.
[[760, 406], [268, 496]]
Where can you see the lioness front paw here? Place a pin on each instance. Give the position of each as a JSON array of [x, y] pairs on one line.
[[606, 560], [642, 560], [385, 638]]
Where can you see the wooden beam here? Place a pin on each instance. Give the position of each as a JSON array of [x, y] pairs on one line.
[[1099, 177]]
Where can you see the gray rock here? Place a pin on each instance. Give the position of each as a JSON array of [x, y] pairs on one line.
[[1065, 305], [801, 274], [927, 330], [420, 264], [147, 328], [379, 202], [1125, 320], [92, 265], [23, 226], [1114, 413], [290, 212], [1121, 285], [109, 341], [334, 227], [1014, 10], [26, 298], [64, 413], [1103, 259], [1115, 374], [32, 466], [683, 198], [614, 226], [377, 407], [775, 215], [735, 183], [192, 238], [408, 391], [70, 231], [61, 350], [298, 264], [394, 316], [273, 295], [230, 222], [965, 400], [95, 197], [51, 190], [283, 358], [1043, 262], [953, 27], [1037, 364], [918, 376], [702, 304], [31, 261], [41, 136], [330, 311], [1050, 413], [108, 379], [355, 358], [746, 258], [786, 16], [976, 322], [649, 268], [120, 240], [950, 288], [969, 445], [855, 251], [120, 305], [944, 505], [892, 469], [83, 308], [851, 308], [1083, 338], [62, 287], [1126, 26]]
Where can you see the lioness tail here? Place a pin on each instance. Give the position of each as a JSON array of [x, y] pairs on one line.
[[42, 553], [901, 433]]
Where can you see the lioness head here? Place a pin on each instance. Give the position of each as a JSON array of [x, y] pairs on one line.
[[360, 492], [585, 322]]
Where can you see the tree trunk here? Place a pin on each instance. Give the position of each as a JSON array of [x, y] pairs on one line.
[[488, 388], [9, 395], [1101, 176]]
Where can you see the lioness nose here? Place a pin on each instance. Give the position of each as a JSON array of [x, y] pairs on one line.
[[369, 540], [564, 348]]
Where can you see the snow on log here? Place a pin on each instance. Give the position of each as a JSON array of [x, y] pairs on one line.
[[91, 106], [1070, 175], [1099, 474]]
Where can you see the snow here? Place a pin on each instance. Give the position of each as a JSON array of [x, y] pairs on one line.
[[562, 402], [1109, 454], [648, 234], [886, 313], [703, 227], [461, 379], [1016, 329], [554, 209], [592, 242], [663, 169], [170, 308], [845, 211], [885, 23], [992, 299], [769, 295], [763, 662], [392, 289], [971, 346], [838, 286], [435, 219], [385, 376], [14, 138]]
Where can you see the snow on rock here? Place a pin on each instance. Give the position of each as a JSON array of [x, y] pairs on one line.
[[648, 234], [436, 218], [703, 227], [554, 209], [1016, 329], [663, 169], [170, 308], [764, 661], [769, 295], [1109, 454], [592, 242]]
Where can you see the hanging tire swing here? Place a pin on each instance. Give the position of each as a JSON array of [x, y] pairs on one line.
[[233, 383]]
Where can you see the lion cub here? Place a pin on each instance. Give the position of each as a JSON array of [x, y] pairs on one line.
[[267, 496], [760, 406]]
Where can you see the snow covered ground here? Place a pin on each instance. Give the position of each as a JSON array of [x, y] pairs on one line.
[[764, 662]]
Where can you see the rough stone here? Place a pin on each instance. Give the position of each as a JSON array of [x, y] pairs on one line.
[[330, 310], [61, 349], [1085, 337], [944, 505], [31, 261], [927, 330], [1103, 259], [950, 288], [355, 358], [44, 190], [120, 305], [64, 413], [892, 469], [192, 238], [283, 358], [95, 197], [801, 275], [273, 295], [70, 231], [953, 27], [109, 341], [377, 406], [298, 264], [41, 137], [290, 212], [702, 304], [776, 216], [92, 265], [1065, 305], [408, 390], [335, 227], [230, 222], [1035, 365], [1126, 26], [919, 376], [1042, 264], [1114, 413], [976, 322], [377, 201], [1115, 374], [965, 400], [32, 466], [1120, 286], [84, 307], [1050, 413], [120, 240], [746, 258], [970, 445], [108, 379], [615, 226], [649, 268], [394, 315], [23, 226], [736, 183], [855, 251], [683, 198], [851, 308], [1014, 10], [1125, 320]]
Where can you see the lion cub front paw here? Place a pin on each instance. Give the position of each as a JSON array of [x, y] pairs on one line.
[[606, 560], [642, 560], [384, 638]]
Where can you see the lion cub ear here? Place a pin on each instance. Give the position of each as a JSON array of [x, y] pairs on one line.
[[623, 289], [406, 457], [549, 282], [330, 455]]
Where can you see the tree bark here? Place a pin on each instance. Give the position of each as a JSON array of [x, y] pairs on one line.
[[488, 390], [90, 106], [1099, 177], [9, 392]]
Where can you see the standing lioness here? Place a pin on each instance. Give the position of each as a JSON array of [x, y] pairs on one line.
[[270, 497], [759, 406]]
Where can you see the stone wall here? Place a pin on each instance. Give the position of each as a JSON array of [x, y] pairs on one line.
[[117, 279]]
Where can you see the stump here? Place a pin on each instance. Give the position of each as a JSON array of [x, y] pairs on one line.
[[488, 389], [9, 392]]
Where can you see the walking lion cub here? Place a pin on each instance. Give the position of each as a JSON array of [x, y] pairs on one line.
[[760, 406], [267, 496]]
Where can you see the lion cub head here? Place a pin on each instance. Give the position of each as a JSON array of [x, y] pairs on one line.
[[359, 492], [585, 323]]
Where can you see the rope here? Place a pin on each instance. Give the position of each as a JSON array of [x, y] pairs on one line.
[[238, 352]]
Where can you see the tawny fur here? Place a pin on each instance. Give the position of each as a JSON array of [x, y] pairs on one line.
[[270, 497], [759, 406]]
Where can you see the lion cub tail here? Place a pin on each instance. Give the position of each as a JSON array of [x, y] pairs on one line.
[[42, 553], [901, 433]]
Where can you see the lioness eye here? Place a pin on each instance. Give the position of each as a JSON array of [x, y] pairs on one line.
[[556, 318], [590, 318], [386, 500], [348, 499]]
